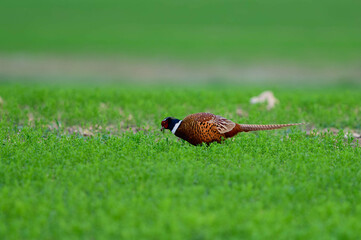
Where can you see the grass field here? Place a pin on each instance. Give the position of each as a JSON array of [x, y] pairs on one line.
[[234, 30], [82, 155], [126, 180]]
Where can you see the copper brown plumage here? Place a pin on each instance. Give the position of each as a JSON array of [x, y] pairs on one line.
[[201, 128]]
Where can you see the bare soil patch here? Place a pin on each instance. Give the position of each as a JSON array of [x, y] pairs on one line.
[[60, 68]]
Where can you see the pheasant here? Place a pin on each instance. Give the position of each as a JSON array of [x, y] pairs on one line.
[[201, 128]]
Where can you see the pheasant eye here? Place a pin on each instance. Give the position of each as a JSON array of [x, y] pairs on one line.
[[165, 124]]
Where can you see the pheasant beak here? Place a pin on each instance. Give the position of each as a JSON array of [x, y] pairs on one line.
[[162, 129]]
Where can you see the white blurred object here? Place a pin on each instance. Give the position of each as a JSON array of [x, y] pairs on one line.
[[266, 96]]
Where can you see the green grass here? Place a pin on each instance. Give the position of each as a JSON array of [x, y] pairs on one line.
[[128, 180], [237, 30], [147, 185]]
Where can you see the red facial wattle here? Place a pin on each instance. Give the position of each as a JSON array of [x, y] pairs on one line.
[[164, 125]]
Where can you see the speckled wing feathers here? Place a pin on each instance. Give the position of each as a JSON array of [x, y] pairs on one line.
[[223, 124], [204, 127]]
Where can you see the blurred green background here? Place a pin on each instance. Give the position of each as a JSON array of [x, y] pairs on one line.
[[299, 33]]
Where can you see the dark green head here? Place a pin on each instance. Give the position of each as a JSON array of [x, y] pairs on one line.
[[169, 123]]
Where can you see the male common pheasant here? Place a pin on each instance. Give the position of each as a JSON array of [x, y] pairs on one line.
[[201, 128]]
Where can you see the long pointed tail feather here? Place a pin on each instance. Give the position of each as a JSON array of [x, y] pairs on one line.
[[257, 127]]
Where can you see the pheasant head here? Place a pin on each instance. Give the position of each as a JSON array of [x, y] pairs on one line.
[[170, 123]]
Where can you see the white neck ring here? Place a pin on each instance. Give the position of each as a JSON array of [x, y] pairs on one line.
[[176, 126]]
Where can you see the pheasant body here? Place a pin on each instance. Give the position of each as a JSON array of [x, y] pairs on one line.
[[201, 128]]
